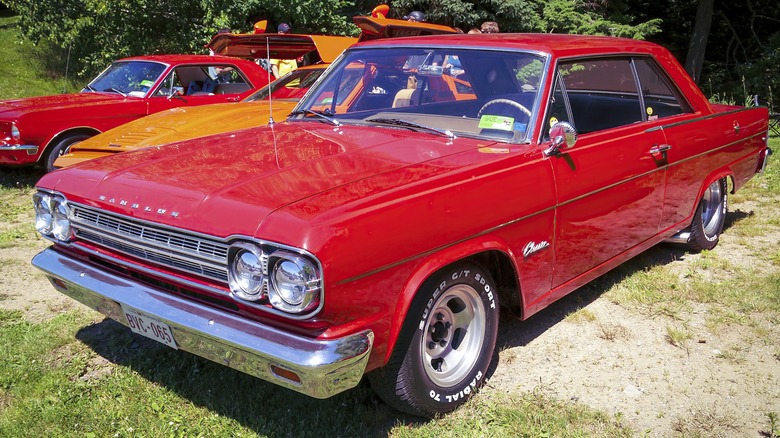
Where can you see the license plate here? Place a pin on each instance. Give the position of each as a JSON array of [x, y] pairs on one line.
[[150, 327]]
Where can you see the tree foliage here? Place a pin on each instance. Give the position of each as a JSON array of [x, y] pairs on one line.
[[99, 31], [741, 48]]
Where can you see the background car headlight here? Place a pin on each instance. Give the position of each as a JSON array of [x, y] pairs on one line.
[[246, 274], [43, 214], [15, 134], [295, 283], [60, 227]]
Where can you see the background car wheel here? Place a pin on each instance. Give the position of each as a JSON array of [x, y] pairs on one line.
[[62, 147], [709, 217], [446, 344]]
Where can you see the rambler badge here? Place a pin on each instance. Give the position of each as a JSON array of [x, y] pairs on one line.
[[135, 206], [533, 247]]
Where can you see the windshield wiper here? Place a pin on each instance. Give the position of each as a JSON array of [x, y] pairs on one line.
[[89, 87], [322, 116], [407, 124], [114, 90]]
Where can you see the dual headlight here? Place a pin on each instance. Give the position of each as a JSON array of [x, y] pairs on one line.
[[52, 216], [291, 282]]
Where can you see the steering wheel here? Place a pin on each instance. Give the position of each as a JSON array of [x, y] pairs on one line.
[[507, 102]]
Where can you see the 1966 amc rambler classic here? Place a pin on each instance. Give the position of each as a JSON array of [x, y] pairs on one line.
[[379, 229]]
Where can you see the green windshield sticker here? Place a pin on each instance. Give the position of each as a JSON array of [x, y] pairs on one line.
[[147, 83], [496, 122]]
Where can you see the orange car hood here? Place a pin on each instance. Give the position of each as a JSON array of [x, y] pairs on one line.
[[176, 125]]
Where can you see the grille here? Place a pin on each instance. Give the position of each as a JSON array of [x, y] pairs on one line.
[[156, 244]]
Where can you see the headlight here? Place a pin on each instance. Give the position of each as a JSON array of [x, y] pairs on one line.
[[295, 283], [52, 216], [246, 273], [9, 132], [43, 214], [60, 228]]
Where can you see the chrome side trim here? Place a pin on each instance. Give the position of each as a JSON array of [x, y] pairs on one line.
[[325, 367], [707, 117]]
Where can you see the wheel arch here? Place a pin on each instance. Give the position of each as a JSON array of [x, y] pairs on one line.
[[56, 138], [493, 256]]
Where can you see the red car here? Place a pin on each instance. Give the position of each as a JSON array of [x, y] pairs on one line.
[[380, 229], [40, 129]]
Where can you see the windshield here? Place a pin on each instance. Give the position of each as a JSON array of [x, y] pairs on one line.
[[291, 86], [468, 92], [132, 78]]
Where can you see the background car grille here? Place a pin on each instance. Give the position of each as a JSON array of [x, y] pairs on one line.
[[177, 249]]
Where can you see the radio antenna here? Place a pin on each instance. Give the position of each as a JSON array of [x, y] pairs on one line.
[[270, 89]]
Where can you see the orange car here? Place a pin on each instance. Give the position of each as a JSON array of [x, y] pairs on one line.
[[186, 123]]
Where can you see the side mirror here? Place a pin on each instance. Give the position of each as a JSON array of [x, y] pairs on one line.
[[563, 135]]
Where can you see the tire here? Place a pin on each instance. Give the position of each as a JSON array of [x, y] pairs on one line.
[[709, 217], [61, 148], [446, 345]]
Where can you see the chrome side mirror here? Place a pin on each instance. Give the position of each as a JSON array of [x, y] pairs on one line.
[[563, 135]]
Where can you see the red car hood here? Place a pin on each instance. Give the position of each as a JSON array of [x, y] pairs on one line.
[[18, 107], [228, 183]]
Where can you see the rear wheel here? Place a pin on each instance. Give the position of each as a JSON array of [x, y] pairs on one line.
[[62, 147], [709, 217], [446, 346]]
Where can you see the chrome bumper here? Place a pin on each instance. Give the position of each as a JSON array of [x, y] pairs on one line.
[[325, 367], [30, 148]]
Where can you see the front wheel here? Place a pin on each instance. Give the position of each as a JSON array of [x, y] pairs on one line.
[[446, 345], [62, 147], [709, 217]]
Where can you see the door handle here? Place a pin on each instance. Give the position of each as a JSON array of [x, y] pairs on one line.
[[659, 149]]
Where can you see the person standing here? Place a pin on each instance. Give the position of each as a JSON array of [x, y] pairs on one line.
[[280, 67]]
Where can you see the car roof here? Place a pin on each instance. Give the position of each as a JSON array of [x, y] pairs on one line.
[[183, 59], [558, 45]]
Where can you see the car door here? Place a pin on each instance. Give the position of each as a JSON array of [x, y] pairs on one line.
[[610, 184]]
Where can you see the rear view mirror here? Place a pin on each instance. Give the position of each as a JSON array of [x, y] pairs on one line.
[[563, 136]]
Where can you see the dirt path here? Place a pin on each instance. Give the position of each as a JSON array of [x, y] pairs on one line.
[[616, 360]]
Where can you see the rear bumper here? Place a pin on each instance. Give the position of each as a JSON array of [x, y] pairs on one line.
[[324, 367]]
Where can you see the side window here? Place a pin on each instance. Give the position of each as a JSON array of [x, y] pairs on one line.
[[661, 100], [170, 85], [557, 110], [602, 93], [226, 74]]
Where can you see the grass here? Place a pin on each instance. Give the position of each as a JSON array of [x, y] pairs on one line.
[[77, 375], [22, 63]]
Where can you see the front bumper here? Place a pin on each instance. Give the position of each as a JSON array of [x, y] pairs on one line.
[[19, 154], [325, 367]]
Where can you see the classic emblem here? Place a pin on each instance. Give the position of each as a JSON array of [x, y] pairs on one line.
[[533, 247], [136, 206]]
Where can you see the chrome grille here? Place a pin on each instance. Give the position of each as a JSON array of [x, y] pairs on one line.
[[177, 249]]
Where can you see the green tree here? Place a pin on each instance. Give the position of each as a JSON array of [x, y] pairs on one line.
[[98, 31]]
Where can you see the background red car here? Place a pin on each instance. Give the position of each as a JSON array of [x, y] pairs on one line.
[[40, 129]]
